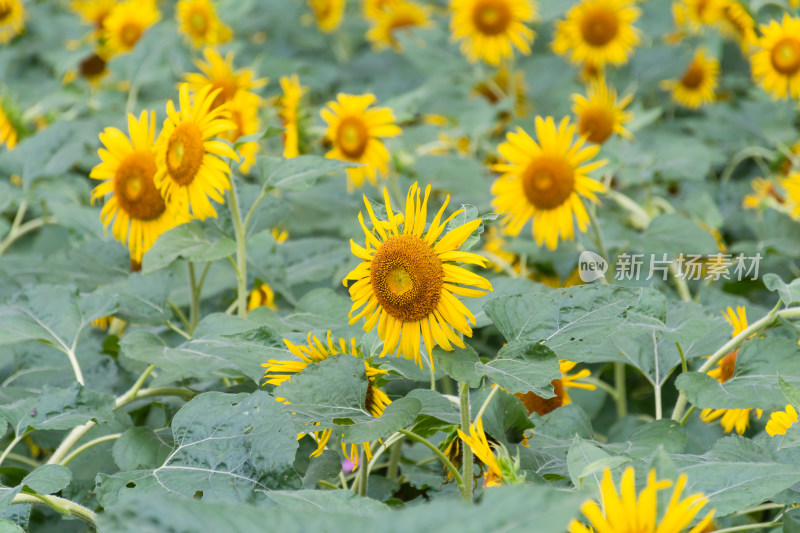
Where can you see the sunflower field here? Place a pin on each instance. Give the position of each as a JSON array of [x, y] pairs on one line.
[[400, 265]]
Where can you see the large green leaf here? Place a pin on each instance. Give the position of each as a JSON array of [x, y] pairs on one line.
[[191, 241], [399, 414], [297, 173], [45, 479]]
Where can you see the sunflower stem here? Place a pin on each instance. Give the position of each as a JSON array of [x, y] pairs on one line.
[[486, 402], [83, 447], [27, 227], [363, 475], [16, 440], [442, 457], [687, 415], [194, 293], [598, 237], [395, 453], [620, 387], [241, 253], [749, 527], [63, 506], [466, 484]]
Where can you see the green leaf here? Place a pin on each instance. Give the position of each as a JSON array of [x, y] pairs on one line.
[[791, 521], [190, 241], [10, 527], [585, 459], [645, 440], [524, 367], [789, 293], [142, 297], [460, 364], [140, 447], [674, 234], [398, 414], [792, 394], [297, 173], [436, 405], [45, 479]]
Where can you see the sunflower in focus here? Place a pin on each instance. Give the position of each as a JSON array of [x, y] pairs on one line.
[[542, 406], [12, 19], [623, 512], [93, 12], [355, 132], [128, 166], [598, 32], [780, 421], [188, 159], [545, 181], [243, 112], [289, 111], [327, 13], [600, 114], [491, 29], [198, 21], [697, 85], [776, 58], [400, 15], [262, 296], [8, 132], [127, 23], [408, 282], [220, 74], [730, 418]]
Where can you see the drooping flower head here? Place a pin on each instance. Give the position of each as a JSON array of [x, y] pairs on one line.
[[491, 29], [598, 32], [198, 22], [12, 19], [190, 170], [220, 74], [479, 445], [399, 15], [696, 86], [407, 284], [776, 57], [355, 132], [262, 296], [289, 111], [600, 114], [536, 404], [780, 421], [327, 13], [127, 23], [546, 181]]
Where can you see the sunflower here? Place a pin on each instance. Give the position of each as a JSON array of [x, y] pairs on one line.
[[220, 74], [764, 194], [696, 14], [373, 9], [262, 296], [354, 131], [127, 169], [479, 445], [8, 132], [406, 283], [697, 84], [12, 19], [198, 21], [189, 169], [737, 23], [126, 24], [780, 421], [544, 181], [327, 13], [93, 68], [730, 418], [600, 114], [623, 512], [487, 29], [243, 111], [598, 32], [399, 15], [505, 84], [280, 235], [289, 111], [111, 324], [791, 185], [776, 59], [542, 406], [93, 12]]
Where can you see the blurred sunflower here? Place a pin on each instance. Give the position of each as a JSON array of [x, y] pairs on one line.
[[327, 13], [93, 68], [764, 194], [354, 131], [127, 169], [542, 406], [400, 15], [189, 166], [780, 421], [494, 247], [373, 9], [198, 21], [127, 22], [776, 59], [93, 12], [505, 84], [487, 29], [696, 14], [407, 282], [262, 296], [12, 19], [696, 86], [791, 185], [545, 181], [730, 418], [220, 74], [737, 23], [623, 512], [600, 114], [243, 112], [598, 32], [8, 132], [289, 112]]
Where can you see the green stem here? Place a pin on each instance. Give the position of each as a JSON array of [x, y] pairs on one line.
[[620, 386], [179, 313], [395, 453], [178, 330], [185, 394], [16, 440], [742, 155], [598, 236], [748, 527], [687, 415], [24, 460], [680, 285], [25, 228], [466, 486], [684, 367], [327, 484], [759, 508], [61, 505], [241, 251], [80, 449], [442, 457], [194, 293], [600, 384], [486, 403], [363, 475]]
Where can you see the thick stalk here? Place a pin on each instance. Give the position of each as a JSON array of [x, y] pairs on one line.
[[395, 452], [16, 440], [241, 251], [63, 506], [466, 493], [620, 386], [194, 293], [363, 475]]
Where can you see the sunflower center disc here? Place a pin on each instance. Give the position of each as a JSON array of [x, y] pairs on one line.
[[199, 22], [491, 17], [599, 26], [228, 88], [134, 188], [407, 277], [548, 182], [403, 21], [727, 366], [185, 153], [694, 76], [130, 34], [92, 66], [597, 125], [352, 137], [786, 56], [5, 11]]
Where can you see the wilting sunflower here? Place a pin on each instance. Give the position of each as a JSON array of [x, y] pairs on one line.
[[198, 21], [545, 181], [289, 111], [407, 283], [542, 406], [730, 418], [598, 32], [776, 59], [220, 74], [262, 296], [400, 15], [354, 131], [697, 84], [490, 29], [127, 169], [189, 169], [780, 421], [243, 112], [623, 512], [8, 132], [479, 445], [600, 114], [12, 19], [126, 24], [327, 13]]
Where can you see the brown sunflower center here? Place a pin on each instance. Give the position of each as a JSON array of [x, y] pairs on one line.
[[352, 137], [130, 33], [727, 365], [322, 8], [599, 26], [491, 17], [198, 20], [694, 76], [185, 153], [786, 55], [402, 21], [5, 12], [134, 188], [407, 277], [92, 67], [597, 124], [548, 181], [541, 406]]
